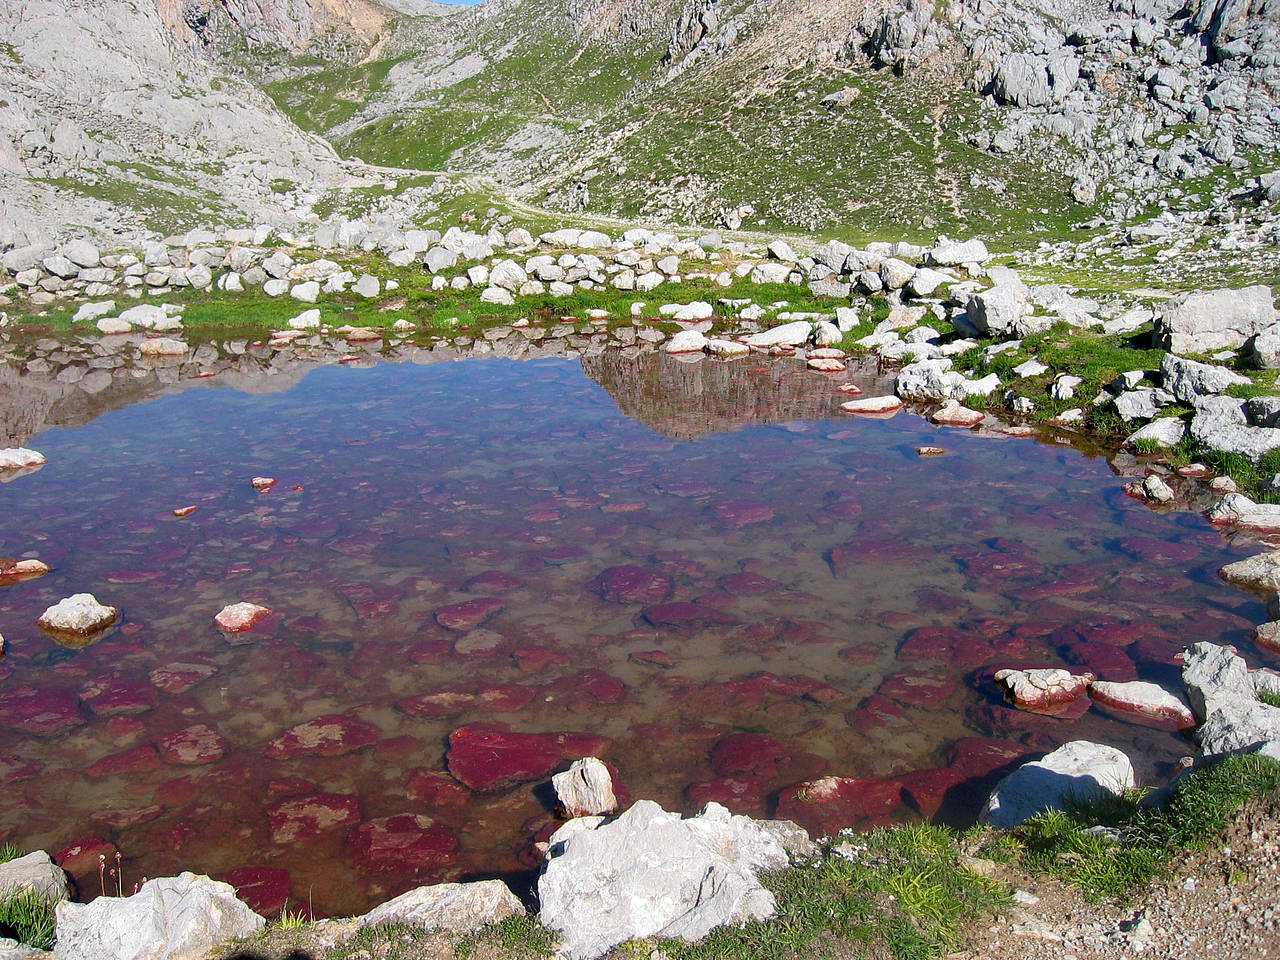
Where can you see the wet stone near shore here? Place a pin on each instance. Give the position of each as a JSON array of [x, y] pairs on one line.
[[706, 575]]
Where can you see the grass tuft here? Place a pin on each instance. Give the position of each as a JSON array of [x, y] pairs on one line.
[[9, 851], [1114, 864], [28, 917], [902, 889]]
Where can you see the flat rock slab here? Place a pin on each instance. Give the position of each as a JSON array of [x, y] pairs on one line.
[[633, 584], [307, 816], [653, 873], [42, 713], [958, 416], [872, 406], [1259, 573], [468, 614], [459, 907], [826, 806], [1146, 703], [331, 735], [239, 617], [488, 758], [402, 846], [196, 745], [1044, 690]]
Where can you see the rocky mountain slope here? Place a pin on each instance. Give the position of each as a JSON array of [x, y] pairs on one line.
[[1013, 118], [1002, 114], [110, 124]]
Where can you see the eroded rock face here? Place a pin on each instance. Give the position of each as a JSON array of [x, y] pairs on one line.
[[1079, 769], [1043, 690], [585, 789], [170, 918], [654, 873]]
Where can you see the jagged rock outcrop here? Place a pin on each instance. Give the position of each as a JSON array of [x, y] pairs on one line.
[[291, 24], [100, 99]]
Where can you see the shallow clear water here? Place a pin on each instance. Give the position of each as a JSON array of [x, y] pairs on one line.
[[852, 599]]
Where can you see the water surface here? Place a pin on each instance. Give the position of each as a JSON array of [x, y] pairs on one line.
[[800, 576]]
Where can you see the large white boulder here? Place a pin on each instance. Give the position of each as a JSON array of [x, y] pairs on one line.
[[1079, 770], [170, 918], [949, 253], [460, 907], [787, 335], [653, 873], [508, 275], [1224, 695], [999, 309], [1208, 320]]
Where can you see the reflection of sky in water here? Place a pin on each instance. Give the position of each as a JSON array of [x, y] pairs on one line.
[[781, 567]]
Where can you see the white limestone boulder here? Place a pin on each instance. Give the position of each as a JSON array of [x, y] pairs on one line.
[[35, 872], [1080, 770], [170, 918], [459, 907], [652, 873]]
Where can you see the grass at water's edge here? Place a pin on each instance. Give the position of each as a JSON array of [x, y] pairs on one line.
[[1137, 842], [909, 892]]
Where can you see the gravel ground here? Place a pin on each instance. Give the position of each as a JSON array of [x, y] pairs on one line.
[[1222, 902]]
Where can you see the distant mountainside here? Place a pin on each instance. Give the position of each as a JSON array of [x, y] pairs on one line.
[[997, 115], [871, 117]]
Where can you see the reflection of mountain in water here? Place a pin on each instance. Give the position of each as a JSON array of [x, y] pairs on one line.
[[71, 382], [686, 400]]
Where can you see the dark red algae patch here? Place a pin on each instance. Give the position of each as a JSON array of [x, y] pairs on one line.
[[705, 576]]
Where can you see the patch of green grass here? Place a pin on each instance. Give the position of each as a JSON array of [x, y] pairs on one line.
[[321, 99], [900, 891], [521, 935], [1198, 809], [1250, 477], [28, 917], [292, 919], [1269, 696], [9, 851]]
